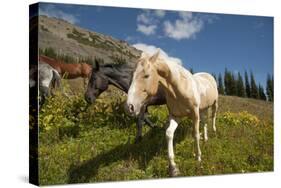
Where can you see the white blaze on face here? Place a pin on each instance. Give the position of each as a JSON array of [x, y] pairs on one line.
[[46, 80], [46, 83], [133, 98]]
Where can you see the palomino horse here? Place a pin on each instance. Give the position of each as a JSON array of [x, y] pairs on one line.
[[186, 95], [69, 70], [119, 76], [47, 76]]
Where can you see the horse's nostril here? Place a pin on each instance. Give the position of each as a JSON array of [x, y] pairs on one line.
[[131, 108]]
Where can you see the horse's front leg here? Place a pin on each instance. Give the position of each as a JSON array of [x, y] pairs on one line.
[[146, 119], [148, 122], [196, 121], [173, 170], [139, 123], [85, 82]]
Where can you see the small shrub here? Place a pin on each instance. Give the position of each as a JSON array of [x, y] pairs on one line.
[[237, 119]]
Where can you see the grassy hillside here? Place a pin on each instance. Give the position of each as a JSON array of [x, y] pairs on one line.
[[71, 40], [80, 144], [263, 110]]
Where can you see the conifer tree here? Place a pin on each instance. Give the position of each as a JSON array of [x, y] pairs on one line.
[[254, 88], [227, 82], [233, 85], [269, 88], [247, 85], [220, 85], [261, 93], [240, 86], [272, 87]]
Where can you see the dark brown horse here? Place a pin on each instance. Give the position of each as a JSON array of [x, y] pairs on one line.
[[68, 70]]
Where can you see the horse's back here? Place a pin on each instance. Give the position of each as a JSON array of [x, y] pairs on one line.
[[52, 62], [208, 77], [86, 70], [207, 88]]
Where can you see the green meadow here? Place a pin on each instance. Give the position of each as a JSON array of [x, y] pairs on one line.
[[80, 143]]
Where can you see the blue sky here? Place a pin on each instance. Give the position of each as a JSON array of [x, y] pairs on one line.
[[205, 42]]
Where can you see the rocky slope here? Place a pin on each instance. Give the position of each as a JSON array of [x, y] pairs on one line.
[[66, 38]]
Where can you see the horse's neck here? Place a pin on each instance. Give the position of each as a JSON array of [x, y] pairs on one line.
[[118, 79], [169, 79]]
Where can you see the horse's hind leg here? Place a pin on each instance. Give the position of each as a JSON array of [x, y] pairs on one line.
[[214, 114], [203, 120]]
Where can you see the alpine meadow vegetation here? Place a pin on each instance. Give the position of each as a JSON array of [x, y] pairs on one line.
[[81, 143]]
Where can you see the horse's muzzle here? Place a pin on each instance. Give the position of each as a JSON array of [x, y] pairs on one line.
[[131, 108], [89, 99]]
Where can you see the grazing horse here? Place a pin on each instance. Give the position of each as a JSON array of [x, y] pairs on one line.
[[68, 70], [119, 76], [186, 95], [47, 76]]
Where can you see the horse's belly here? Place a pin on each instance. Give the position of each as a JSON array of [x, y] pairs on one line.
[[178, 109], [206, 102]]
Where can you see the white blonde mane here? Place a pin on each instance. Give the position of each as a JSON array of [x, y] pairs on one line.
[[163, 55]]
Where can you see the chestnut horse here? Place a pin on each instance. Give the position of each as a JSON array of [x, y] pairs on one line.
[[186, 95], [68, 70]]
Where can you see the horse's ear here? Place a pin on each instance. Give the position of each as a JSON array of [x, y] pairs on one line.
[[155, 56]]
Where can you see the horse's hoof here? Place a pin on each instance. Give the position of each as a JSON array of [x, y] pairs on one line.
[[199, 158], [173, 171], [206, 139], [138, 139], [153, 126]]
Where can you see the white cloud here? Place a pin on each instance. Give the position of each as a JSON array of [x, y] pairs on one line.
[[185, 15], [150, 17], [144, 18], [208, 18], [185, 27], [146, 29], [150, 50], [130, 38], [148, 20], [52, 11], [160, 13]]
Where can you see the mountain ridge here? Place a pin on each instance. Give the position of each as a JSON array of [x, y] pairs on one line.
[[69, 39]]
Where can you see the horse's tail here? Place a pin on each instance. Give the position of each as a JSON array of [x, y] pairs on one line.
[[56, 80]]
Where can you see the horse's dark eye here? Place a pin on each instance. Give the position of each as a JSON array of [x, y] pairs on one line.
[[146, 76]]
